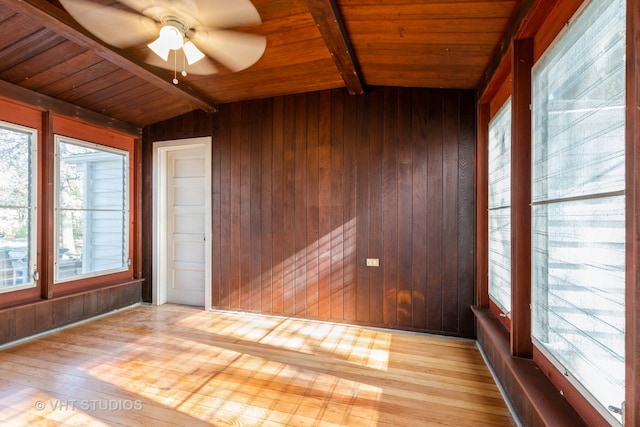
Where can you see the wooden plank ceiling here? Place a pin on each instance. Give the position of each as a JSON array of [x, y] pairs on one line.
[[312, 45]]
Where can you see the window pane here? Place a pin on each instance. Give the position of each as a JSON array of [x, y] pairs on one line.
[[17, 207], [92, 210], [499, 208], [500, 158], [578, 298], [500, 258], [579, 209], [578, 117]]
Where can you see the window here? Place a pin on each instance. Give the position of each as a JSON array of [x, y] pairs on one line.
[[91, 209], [18, 197], [500, 208], [578, 222]]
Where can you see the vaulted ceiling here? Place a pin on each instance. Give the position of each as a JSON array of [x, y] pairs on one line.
[[311, 45]]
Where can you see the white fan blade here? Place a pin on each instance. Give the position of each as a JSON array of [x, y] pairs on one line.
[[114, 26], [233, 49], [138, 5], [204, 67], [158, 9], [209, 13], [226, 13]]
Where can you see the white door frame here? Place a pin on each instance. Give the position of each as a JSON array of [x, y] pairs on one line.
[[160, 151]]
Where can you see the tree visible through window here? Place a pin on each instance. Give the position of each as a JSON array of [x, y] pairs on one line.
[[91, 209], [17, 207]]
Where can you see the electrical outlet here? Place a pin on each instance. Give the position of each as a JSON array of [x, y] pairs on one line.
[[373, 262]]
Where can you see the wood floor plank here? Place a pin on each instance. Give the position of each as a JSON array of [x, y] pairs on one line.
[[176, 365]]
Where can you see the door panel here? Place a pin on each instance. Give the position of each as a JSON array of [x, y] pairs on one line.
[[186, 231]]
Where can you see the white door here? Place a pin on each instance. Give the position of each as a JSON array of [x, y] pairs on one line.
[[183, 224]]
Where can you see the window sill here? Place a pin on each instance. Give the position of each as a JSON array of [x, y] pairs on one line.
[[533, 397]]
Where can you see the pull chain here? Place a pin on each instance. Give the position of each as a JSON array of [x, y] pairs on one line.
[[175, 67]]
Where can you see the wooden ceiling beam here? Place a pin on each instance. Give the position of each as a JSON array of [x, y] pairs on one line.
[[60, 22], [56, 106], [501, 61], [329, 21]]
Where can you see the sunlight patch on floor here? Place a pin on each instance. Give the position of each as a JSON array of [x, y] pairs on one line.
[[243, 376], [362, 346]]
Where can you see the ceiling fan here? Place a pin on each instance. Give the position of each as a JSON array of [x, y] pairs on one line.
[[199, 29]]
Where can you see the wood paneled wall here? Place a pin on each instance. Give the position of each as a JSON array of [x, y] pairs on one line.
[[43, 315], [306, 187]]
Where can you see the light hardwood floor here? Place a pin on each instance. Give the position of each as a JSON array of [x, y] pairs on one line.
[[177, 365]]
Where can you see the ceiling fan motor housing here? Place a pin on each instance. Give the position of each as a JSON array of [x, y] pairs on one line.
[[174, 31]]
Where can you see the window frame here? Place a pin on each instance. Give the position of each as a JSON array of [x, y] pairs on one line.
[[543, 356], [32, 269], [23, 115], [505, 109], [488, 107], [60, 139], [74, 130]]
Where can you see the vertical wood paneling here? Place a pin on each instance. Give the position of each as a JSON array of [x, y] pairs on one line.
[[404, 208], [389, 208], [363, 229], [466, 211], [223, 143], [435, 210], [216, 212], [288, 204], [337, 201], [450, 189], [255, 262], [351, 266], [324, 209], [311, 185], [278, 207], [236, 203], [244, 231], [266, 211], [300, 210], [419, 210], [376, 139], [312, 201], [30, 319]]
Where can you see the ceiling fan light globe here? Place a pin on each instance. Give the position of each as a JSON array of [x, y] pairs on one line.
[[172, 37], [192, 53], [160, 48]]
